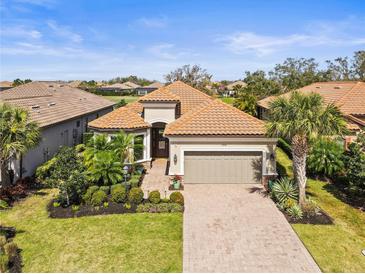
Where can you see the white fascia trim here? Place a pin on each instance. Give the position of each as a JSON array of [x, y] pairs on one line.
[[221, 139]]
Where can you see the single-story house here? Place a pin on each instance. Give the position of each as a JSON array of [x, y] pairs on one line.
[[62, 113], [204, 139], [231, 88], [147, 89], [349, 96], [119, 87], [4, 85], [131, 85]]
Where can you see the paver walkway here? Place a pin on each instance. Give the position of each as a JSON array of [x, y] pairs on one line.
[[155, 179], [231, 228]]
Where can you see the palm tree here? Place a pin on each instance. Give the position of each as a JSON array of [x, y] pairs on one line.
[[299, 118], [105, 168], [246, 101], [17, 135], [124, 145], [96, 144]]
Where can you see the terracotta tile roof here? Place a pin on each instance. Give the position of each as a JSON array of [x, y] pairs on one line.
[[160, 95], [53, 103], [6, 84], [348, 96], [121, 118], [131, 84], [154, 85], [216, 118], [135, 106], [116, 86]]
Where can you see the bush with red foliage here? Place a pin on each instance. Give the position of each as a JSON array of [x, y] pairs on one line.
[[17, 191]]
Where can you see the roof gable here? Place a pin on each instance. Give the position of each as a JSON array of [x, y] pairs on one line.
[[160, 95], [216, 118]]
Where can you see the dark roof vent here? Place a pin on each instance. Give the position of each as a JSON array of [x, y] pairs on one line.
[[337, 87], [35, 107], [51, 104], [318, 87]]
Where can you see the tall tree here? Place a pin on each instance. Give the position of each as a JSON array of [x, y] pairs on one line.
[[358, 65], [260, 85], [296, 73], [300, 118], [17, 135], [192, 75]]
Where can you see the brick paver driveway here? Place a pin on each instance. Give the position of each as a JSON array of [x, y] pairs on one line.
[[231, 228]]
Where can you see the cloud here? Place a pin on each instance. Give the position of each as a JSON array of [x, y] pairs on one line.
[[163, 51], [330, 34], [152, 23], [19, 32], [64, 32], [41, 3]]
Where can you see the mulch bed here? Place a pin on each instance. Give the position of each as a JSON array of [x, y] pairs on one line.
[[88, 210], [321, 218], [19, 190]]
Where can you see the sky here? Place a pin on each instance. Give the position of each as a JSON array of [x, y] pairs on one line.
[[99, 40]]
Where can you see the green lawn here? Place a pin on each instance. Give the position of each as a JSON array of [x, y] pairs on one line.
[[110, 243], [336, 248], [227, 100], [128, 99]]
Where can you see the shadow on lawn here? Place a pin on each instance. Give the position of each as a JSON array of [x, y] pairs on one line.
[[339, 193]]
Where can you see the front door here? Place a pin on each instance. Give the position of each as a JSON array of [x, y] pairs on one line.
[[160, 144]]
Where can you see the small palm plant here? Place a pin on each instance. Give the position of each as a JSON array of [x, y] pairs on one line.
[[285, 189], [96, 144], [105, 168], [325, 157]]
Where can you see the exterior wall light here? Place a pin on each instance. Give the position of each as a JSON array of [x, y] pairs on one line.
[[175, 159]]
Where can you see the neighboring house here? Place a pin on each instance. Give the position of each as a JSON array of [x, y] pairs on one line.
[[62, 112], [231, 88], [4, 85], [348, 96], [147, 89], [204, 139], [119, 87]]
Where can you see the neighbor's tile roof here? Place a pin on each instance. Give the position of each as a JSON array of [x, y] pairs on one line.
[[116, 86], [131, 84], [51, 103], [240, 83], [216, 118], [121, 118], [348, 96], [6, 84], [160, 95], [154, 85]]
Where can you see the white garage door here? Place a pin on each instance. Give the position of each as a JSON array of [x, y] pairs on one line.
[[222, 167]]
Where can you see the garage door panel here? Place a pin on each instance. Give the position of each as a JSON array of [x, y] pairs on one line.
[[222, 167]]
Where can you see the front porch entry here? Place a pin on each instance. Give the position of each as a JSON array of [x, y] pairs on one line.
[[160, 144]]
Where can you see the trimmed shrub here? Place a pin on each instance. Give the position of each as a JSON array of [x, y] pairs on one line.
[[89, 193], [165, 200], [154, 197], [177, 197], [159, 208], [174, 207], [106, 189], [98, 198], [135, 195], [135, 180], [119, 193]]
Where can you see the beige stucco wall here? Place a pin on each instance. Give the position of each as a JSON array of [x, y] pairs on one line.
[[181, 144], [159, 112]]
